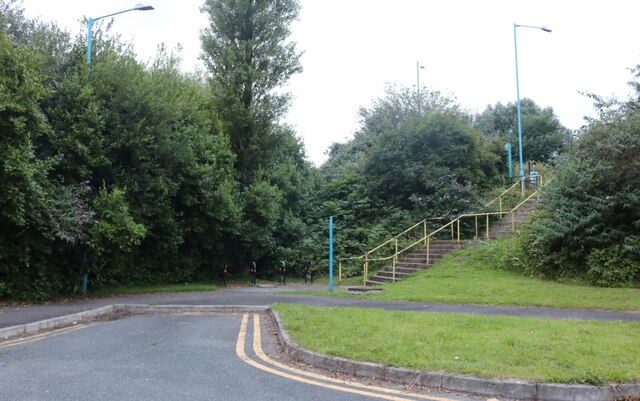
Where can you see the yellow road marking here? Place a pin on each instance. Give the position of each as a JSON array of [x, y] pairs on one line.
[[257, 347], [41, 336], [243, 356]]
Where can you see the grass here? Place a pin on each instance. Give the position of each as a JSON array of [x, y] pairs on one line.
[[540, 350], [470, 276], [152, 289]]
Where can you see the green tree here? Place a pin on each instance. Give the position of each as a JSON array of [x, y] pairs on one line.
[[590, 219], [246, 50], [402, 166], [543, 137], [435, 156]]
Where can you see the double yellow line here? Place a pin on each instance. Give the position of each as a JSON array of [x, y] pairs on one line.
[[299, 375], [42, 336]]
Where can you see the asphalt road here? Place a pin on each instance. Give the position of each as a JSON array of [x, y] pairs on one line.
[[173, 358]]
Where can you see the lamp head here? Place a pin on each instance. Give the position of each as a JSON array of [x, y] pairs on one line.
[[544, 28], [141, 7]]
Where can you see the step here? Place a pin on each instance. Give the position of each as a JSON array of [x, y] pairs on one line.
[[372, 282], [407, 270], [389, 274]]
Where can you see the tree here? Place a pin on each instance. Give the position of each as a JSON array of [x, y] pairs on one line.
[[402, 166], [246, 50], [439, 154], [543, 137], [590, 218]]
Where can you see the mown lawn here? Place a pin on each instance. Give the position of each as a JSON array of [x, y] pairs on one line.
[[541, 350]]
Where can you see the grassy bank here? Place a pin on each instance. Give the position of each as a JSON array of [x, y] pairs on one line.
[[540, 350], [472, 276]]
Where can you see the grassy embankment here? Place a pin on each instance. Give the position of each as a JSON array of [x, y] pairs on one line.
[[542, 350]]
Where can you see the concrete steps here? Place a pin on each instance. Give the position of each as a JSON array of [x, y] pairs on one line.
[[417, 260]]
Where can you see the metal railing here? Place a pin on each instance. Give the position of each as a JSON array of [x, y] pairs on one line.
[[455, 226]]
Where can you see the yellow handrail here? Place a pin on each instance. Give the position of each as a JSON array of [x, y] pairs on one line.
[[499, 197], [397, 236], [427, 237]]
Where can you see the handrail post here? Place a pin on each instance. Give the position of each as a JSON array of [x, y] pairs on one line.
[[428, 243], [476, 216], [366, 268], [395, 260], [488, 236], [459, 230], [500, 208], [425, 231], [453, 223]]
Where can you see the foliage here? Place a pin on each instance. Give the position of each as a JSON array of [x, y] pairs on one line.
[[433, 157], [543, 137], [590, 219], [167, 206], [612, 266], [246, 50], [23, 175], [405, 163]]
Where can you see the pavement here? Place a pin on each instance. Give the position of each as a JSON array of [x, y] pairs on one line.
[[244, 299], [269, 294]]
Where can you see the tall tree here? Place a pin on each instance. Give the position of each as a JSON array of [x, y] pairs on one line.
[[543, 136], [246, 50]]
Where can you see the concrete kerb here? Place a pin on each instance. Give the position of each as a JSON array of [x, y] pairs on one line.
[[105, 311], [54, 323], [510, 389]]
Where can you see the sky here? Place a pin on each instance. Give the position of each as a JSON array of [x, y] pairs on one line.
[[354, 48]]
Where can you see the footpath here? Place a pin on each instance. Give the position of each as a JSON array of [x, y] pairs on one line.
[[267, 295], [261, 297]]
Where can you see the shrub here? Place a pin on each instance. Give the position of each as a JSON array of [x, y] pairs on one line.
[[612, 267]]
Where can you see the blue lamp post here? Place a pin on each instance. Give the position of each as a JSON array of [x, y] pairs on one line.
[[515, 44], [138, 7]]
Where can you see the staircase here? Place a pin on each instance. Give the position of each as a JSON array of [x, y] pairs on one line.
[[504, 226], [417, 260]]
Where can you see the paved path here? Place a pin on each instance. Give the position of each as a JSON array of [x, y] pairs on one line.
[[11, 316]]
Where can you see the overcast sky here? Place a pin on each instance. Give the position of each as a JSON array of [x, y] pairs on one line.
[[353, 48]]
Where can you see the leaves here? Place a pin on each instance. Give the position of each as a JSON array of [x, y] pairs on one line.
[[591, 207]]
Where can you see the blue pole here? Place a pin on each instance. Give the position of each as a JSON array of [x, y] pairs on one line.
[[515, 44], [90, 22], [330, 253], [89, 28], [508, 146]]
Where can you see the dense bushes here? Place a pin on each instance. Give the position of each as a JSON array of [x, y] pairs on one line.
[[590, 222], [124, 171]]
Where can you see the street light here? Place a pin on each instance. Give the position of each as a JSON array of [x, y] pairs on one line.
[[138, 7], [515, 44], [418, 68]]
